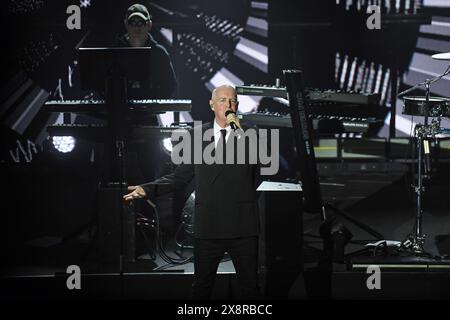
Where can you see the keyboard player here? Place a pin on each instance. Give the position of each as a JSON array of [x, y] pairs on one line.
[[161, 85], [142, 158]]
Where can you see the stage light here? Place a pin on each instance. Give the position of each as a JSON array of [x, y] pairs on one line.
[[167, 144], [64, 144]]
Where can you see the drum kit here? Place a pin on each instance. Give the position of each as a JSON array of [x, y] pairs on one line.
[[435, 108]]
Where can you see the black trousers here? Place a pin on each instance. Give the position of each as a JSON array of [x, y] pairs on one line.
[[209, 252]]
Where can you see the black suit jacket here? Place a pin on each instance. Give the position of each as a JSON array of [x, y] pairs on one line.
[[225, 196]]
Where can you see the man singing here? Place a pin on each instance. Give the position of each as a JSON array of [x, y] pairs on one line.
[[226, 217]]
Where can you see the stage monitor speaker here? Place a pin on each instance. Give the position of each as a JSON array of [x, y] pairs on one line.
[[116, 228], [281, 245]]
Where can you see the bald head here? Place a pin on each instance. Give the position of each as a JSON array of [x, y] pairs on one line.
[[223, 98], [220, 88]]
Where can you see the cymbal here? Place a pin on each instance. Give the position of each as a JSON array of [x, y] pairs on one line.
[[441, 56]]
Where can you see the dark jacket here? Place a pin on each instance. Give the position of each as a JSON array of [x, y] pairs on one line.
[[162, 83], [225, 197]]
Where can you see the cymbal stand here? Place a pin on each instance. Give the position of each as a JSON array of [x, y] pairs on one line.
[[422, 133]]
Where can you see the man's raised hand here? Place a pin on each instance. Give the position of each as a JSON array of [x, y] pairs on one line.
[[137, 192]]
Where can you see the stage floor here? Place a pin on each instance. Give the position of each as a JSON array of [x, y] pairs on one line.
[[389, 210]]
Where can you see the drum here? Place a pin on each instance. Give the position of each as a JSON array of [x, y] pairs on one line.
[[187, 218], [437, 106]]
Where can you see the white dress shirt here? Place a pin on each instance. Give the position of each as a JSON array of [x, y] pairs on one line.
[[217, 133]]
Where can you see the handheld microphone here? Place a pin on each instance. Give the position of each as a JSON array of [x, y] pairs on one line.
[[233, 124]]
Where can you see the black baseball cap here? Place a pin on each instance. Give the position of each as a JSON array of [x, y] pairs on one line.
[[138, 10]]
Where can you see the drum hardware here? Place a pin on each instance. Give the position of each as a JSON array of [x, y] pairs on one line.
[[418, 106], [185, 233], [422, 133], [427, 107]]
